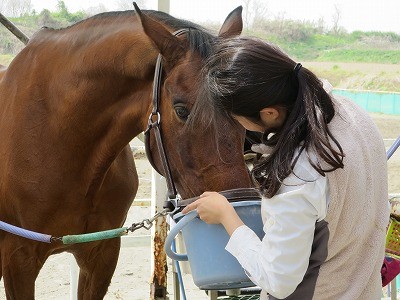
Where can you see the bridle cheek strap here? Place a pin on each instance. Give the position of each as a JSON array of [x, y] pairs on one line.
[[154, 123]]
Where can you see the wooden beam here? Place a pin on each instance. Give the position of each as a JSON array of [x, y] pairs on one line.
[[14, 29]]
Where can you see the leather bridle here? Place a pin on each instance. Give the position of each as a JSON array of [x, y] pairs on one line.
[[154, 123]]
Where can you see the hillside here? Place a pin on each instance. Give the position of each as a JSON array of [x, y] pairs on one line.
[[360, 76], [357, 60]]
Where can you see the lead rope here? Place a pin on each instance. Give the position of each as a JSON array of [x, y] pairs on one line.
[[81, 238]]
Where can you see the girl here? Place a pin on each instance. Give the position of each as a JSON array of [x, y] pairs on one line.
[[323, 178]]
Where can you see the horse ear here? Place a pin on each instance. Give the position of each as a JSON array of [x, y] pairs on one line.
[[169, 46], [233, 24]]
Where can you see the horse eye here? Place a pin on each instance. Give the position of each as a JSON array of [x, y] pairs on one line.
[[182, 112]]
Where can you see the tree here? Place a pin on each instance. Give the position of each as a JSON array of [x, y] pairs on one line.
[[254, 12], [260, 12], [3, 5], [15, 8], [246, 12], [46, 19], [62, 9], [337, 14], [94, 10], [127, 4], [320, 25]]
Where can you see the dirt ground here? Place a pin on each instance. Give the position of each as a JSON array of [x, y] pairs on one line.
[[131, 278]]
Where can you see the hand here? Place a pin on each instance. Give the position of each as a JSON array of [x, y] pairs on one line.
[[213, 208]]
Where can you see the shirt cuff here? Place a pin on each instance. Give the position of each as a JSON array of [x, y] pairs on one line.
[[241, 239]]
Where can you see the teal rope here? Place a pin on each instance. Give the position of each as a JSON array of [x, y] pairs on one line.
[[95, 236]]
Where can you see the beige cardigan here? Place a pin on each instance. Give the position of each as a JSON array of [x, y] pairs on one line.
[[358, 212]]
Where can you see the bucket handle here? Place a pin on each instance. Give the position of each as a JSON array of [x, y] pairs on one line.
[[174, 232]]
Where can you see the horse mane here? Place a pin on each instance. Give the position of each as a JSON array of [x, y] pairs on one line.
[[199, 39]]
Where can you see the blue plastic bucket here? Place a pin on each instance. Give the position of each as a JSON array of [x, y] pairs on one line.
[[213, 268]]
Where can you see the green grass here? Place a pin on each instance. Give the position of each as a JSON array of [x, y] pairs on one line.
[[350, 78], [303, 45], [360, 55], [5, 59]]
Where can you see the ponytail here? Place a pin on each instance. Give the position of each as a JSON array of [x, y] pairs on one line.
[[307, 126]]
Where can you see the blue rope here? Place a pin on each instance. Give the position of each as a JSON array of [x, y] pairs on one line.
[[67, 239], [25, 233]]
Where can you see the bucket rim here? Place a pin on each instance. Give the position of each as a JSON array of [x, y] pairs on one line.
[[234, 204]]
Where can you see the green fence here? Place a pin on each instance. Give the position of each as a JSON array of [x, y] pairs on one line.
[[381, 102]]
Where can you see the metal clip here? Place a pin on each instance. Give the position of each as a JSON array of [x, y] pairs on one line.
[[147, 223], [135, 226], [56, 239], [157, 215]]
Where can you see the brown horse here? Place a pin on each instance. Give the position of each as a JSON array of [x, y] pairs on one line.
[[71, 101]]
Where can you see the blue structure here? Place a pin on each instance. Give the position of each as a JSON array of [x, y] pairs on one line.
[[379, 102]]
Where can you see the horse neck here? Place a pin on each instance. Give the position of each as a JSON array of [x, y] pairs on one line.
[[96, 76], [93, 94]]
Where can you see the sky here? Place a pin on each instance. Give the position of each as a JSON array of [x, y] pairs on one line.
[[365, 15]]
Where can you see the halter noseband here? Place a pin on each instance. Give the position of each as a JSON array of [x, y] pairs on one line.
[[154, 123]]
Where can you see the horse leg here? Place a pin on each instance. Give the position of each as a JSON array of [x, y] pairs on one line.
[[20, 265], [97, 265]]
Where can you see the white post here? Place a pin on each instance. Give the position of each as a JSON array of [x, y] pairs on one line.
[[73, 277], [212, 295], [163, 5], [393, 290], [158, 280]]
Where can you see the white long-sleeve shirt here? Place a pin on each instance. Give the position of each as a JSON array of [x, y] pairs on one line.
[[279, 262]]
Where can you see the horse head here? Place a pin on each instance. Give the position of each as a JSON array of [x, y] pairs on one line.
[[197, 159]]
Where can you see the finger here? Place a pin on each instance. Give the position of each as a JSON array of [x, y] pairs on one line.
[[190, 207], [207, 193], [187, 209]]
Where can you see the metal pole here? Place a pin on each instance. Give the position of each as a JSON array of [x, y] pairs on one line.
[[158, 280], [14, 29], [394, 147]]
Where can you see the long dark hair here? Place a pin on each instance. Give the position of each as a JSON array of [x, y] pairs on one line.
[[246, 75]]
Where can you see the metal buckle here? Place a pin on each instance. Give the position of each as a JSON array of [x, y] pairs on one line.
[[157, 121]]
